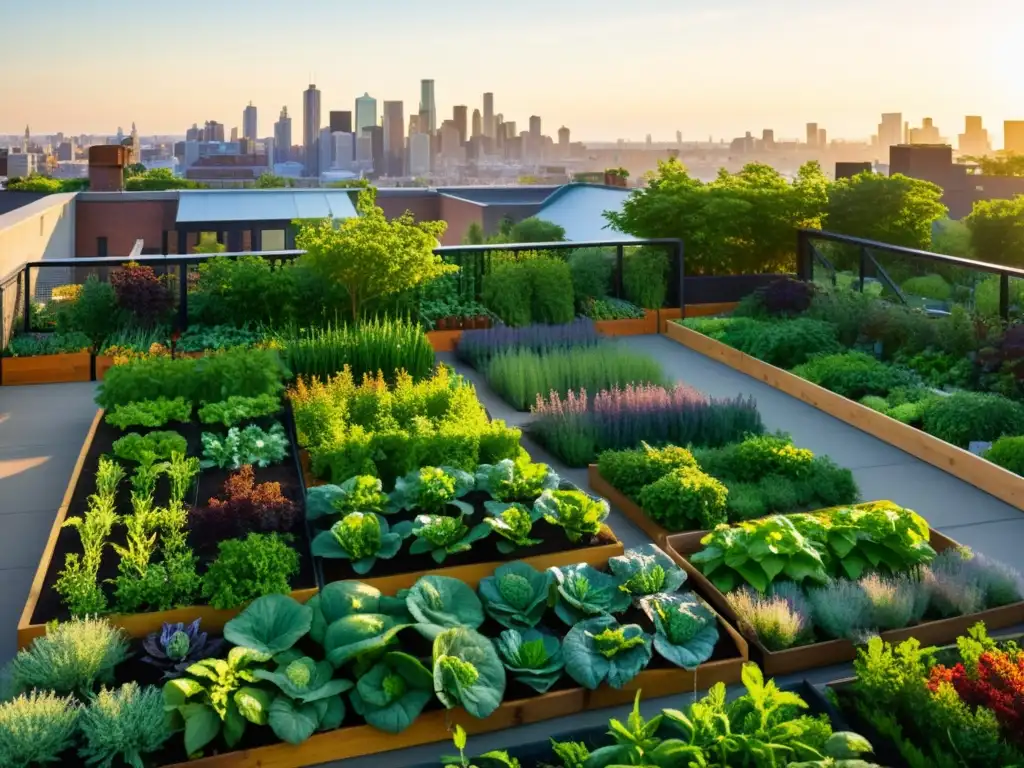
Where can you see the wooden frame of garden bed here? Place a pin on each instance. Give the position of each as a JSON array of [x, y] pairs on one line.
[[433, 727], [681, 546], [137, 625], [964, 465], [46, 369]]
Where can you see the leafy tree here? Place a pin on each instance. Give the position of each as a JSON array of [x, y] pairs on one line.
[[1003, 164], [622, 173], [475, 234], [371, 256], [890, 209], [952, 238], [535, 230], [134, 169], [158, 180], [208, 244], [45, 185], [268, 180], [997, 231]]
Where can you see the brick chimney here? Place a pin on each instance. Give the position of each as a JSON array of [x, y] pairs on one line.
[[106, 167]]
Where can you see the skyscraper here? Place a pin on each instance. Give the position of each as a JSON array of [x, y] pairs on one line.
[[890, 131], [563, 137], [427, 105], [459, 115], [419, 154], [340, 121], [234, 135], [928, 133], [974, 139], [812, 135], [325, 150], [311, 130], [1013, 136], [249, 124], [822, 138], [477, 124], [366, 113], [535, 126], [283, 137], [394, 138], [136, 145], [490, 129], [25, 141]]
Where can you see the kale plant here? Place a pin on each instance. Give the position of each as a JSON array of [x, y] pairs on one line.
[[601, 650], [176, 647], [251, 445]]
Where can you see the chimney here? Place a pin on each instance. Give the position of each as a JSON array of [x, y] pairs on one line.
[[106, 167]]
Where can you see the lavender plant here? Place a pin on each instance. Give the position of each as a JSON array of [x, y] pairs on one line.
[[478, 347], [965, 582]]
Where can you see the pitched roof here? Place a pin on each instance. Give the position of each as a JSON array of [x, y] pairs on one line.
[[579, 209]]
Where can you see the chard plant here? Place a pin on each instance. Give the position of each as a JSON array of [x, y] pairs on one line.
[[516, 480], [363, 538], [516, 596], [308, 698], [513, 523], [432, 489], [583, 592], [393, 692], [601, 650], [533, 658], [575, 512], [442, 536], [467, 672], [646, 570], [362, 493], [686, 630]]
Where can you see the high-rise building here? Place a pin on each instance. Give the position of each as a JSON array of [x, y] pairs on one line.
[[767, 139], [926, 134], [325, 150], [679, 137], [535, 126], [213, 131], [1013, 136], [364, 149], [340, 121], [282, 136], [890, 131], [234, 135], [344, 150], [974, 140], [419, 154], [394, 138], [250, 126], [376, 135], [136, 145], [414, 124], [311, 130], [193, 133], [478, 124], [812, 135], [366, 113], [66, 151], [25, 141], [490, 127], [459, 114], [510, 129], [427, 105], [563, 137]]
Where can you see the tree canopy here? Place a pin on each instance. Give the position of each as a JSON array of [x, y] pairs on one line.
[[997, 231], [45, 185], [268, 180], [1002, 164], [158, 180]]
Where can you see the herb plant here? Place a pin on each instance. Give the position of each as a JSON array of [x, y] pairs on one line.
[[599, 650], [361, 537], [36, 728], [260, 564], [533, 658], [72, 657], [631, 469], [237, 409], [583, 592], [442, 536], [123, 726], [685, 499], [467, 672], [393, 692], [177, 646], [251, 445], [149, 413], [516, 596]]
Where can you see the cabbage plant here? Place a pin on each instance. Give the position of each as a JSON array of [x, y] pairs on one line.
[[575, 512], [363, 538], [533, 658], [646, 570], [516, 480], [431, 489], [362, 493], [513, 523], [601, 650], [391, 695], [347, 598], [686, 630], [442, 536], [439, 602], [582, 591], [308, 698], [516, 596], [467, 672]]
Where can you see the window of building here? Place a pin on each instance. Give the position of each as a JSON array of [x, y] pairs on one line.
[[101, 246]]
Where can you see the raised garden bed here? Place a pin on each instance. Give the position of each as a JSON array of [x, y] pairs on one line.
[[46, 369], [680, 547], [625, 505], [984, 475]]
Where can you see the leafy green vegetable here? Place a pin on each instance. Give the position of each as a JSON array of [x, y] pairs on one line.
[[391, 695], [346, 598], [361, 537], [516, 596], [467, 671], [574, 511], [685, 629], [583, 592], [646, 570], [149, 447], [359, 635], [513, 523], [442, 536], [442, 601], [431, 489], [270, 624], [516, 480], [149, 413], [362, 493], [309, 700], [237, 409], [534, 658], [251, 445], [600, 650]]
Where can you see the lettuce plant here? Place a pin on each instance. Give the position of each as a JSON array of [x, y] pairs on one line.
[[149, 413], [361, 537], [516, 480], [575, 512], [646, 570], [516, 596], [308, 699], [251, 445], [467, 672], [442, 601], [601, 650], [582, 592], [362, 493], [391, 695], [685, 629], [431, 489], [237, 409], [442, 536], [346, 598], [513, 523], [533, 658]]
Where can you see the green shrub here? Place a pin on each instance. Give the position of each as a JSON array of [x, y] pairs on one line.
[[553, 299], [381, 345], [854, 375], [150, 413], [898, 329], [844, 309], [966, 416], [35, 728], [237, 409], [875, 403], [507, 291], [755, 457], [1008, 452], [248, 290], [260, 564], [155, 445], [122, 725], [631, 469], [591, 270], [518, 376], [610, 309], [529, 288], [72, 657], [33, 345], [784, 343], [685, 499], [907, 413], [94, 313], [645, 277], [928, 286]]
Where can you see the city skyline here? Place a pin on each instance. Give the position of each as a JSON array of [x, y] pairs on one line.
[[785, 65]]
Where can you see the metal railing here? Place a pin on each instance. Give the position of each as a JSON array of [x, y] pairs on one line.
[[808, 255]]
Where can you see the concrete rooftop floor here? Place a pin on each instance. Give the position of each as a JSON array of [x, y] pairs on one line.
[[42, 429]]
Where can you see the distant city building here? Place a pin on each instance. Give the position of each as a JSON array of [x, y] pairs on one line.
[[250, 125], [136, 145], [394, 138], [477, 129], [767, 139], [490, 126], [563, 137], [283, 137], [890, 131], [340, 121], [847, 170], [66, 151], [822, 138], [428, 106], [679, 137], [926, 134], [193, 133], [419, 154], [325, 151], [22, 164], [510, 130], [344, 150], [376, 134], [364, 149], [414, 124], [213, 131], [1013, 136], [974, 140], [311, 130], [366, 113], [459, 115], [812, 135], [25, 141], [234, 133], [535, 126]]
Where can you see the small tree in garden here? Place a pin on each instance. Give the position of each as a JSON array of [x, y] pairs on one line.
[[208, 244], [371, 256], [997, 231], [890, 209]]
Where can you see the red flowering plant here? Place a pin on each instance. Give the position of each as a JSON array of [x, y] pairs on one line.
[[244, 507], [140, 292]]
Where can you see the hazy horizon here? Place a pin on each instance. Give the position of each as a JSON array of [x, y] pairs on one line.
[[603, 70]]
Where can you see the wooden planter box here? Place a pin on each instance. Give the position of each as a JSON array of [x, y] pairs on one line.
[[666, 316], [631, 327], [626, 506], [103, 364], [444, 341], [964, 465], [46, 369], [681, 546]]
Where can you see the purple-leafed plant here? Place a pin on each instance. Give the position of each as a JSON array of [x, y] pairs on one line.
[[786, 297], [476, 348], [176, 647], [576, 428]]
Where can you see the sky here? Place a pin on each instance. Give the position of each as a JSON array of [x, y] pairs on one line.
[[607, 69]]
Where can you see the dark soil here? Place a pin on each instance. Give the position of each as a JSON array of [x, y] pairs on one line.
[[209, 482]]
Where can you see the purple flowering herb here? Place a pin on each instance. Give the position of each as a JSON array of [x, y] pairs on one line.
[[477, 347]]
